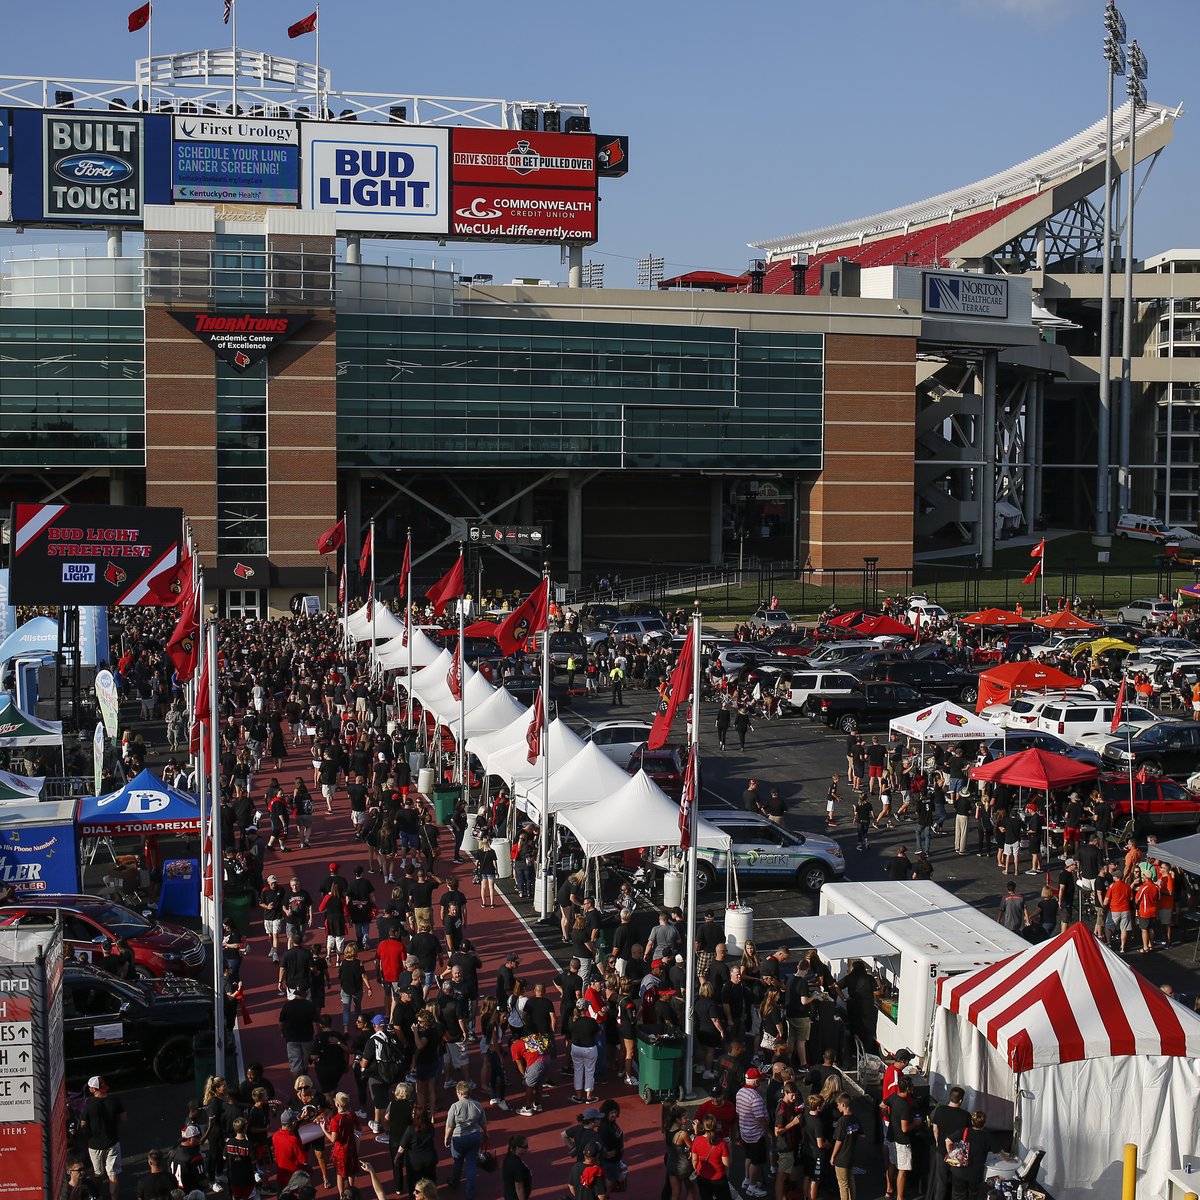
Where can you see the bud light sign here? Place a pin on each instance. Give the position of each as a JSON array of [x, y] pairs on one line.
[[383, 180]]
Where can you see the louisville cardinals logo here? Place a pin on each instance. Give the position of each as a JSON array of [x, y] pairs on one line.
[[175, 587], [241, 359], [187, 643], [114, 574], [922, 716], [521, 629], [611, 155], [243, 572], [956, 719]]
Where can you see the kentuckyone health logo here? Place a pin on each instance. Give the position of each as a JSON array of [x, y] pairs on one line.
[[966, 295]]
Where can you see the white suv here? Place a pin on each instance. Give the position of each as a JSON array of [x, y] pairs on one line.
[[770, 618], [1022, 712], [1070, 719], [1145, 612]]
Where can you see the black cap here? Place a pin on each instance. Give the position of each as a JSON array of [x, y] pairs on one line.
[[512, 956]]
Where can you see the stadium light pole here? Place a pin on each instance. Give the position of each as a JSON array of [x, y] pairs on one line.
[[1138, 71], [1114, 54]]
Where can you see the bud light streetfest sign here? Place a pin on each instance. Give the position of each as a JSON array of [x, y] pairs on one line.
[[241, 340], [378, 179]]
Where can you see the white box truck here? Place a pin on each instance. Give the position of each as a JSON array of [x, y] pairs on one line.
[[908, 934]]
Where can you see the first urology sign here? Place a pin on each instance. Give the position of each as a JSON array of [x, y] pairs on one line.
[[378, 179]]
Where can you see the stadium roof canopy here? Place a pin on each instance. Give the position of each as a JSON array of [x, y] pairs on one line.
[[973, 221]]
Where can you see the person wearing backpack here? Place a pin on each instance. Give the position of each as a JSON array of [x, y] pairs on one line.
[[380, 1063]]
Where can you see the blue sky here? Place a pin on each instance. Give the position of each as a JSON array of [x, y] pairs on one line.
[[745, 120]]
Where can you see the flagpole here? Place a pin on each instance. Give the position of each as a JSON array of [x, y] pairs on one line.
[[689, 1011], [150, 60], [317, 31], [218, 858], [1043, 574], [462, 687], [408, 628], [201, 776], [374, 606], [544, 822], [233, 31], [345, 585]]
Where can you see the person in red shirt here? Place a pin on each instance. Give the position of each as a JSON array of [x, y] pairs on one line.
[[1166, 902], [290, 1153], [1118, 901], [1146, 899], [721, 1108], [711, 1156], [529, 1053], [390, 956]]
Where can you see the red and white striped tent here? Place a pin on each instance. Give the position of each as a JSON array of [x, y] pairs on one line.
[[1081, 1054]]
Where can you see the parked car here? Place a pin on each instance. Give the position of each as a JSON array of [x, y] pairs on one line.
[[640, 608], [642, 630], [790, 643], [870, 704], [1145, 612], [562, 647], [594, 613], [1070, 718], [1022, 712], [665, 766], [927, 610], [737, 655], [92, 924], [770, 618], [808, 682], [829, 654], [1168, 748], [114, 1025], [932, 677], [1160, 805], [618, 739], [761, 848], [526, 691]]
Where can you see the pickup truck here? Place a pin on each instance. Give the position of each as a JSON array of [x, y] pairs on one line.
[[931, 677], [868, 704]]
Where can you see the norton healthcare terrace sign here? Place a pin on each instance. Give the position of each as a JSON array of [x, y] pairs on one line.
[[964, 295], [242, 339]]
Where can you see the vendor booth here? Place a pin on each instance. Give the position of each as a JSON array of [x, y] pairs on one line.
[[19, 729], [382, 624], [943, 723], [1080, 1055], [998, 685], [37, 847], [393, 655], [587, 778], [20, 789]]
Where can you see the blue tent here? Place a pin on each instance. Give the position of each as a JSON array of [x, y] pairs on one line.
[[144, 805], [39, 636]]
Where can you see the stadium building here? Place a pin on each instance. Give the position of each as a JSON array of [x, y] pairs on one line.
[[926, 374]]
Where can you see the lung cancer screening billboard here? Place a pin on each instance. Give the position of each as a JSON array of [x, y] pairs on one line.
[[235, 159]]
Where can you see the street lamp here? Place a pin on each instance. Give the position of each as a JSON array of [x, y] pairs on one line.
[[1139, 69], [1114, 54]]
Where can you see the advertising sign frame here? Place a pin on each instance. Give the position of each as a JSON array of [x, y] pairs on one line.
[[964, 294], [503, 212], [348, 167], [242, 339], [227, 149], [514, 156]]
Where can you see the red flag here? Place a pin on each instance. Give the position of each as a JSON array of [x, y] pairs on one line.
[[533, 735], [449, 587], [307, 25], [370, 605], [139, 18], [183, 647], [1033, 574], [364, 559], [681, 683], [342, 586], [687, 802], [332, 538], [1039, 550], [203, 709], [1120, 709], [405, 568], [528, 617], [172, 589], [454, 675], [1141, 776]]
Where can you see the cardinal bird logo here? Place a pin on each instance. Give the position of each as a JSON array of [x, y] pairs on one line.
[[921, 716], [243, 572], [187, 643], [610, 155], [955, 719], [175, 587], [241, 359], [114, 574], [521, 630]]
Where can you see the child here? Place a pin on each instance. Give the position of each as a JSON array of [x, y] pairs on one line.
[[239, 1161], [863, 816]]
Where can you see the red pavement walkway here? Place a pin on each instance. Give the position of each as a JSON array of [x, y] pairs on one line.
[[494, 932]]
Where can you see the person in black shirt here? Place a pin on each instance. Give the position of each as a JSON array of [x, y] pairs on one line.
[[158, 1184], [239, 1161], [719, 968], [515, 1173], [948, 1122], [506, 977], [271, 900], [360, 895], [900, 1131], [295, 966], [297, 1018], [101, 1126], [539, 1012], [187, 1164], [900, 867]]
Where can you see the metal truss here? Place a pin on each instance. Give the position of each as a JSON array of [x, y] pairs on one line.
[[1065, 241], [267, 85]]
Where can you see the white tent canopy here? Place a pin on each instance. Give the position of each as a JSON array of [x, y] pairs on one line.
[[426, 675], [435, 695], [588, 778], [944, 722], [486, 745], [498, 709], [393, 654], [640, 814], [512, 763], [384, 624]]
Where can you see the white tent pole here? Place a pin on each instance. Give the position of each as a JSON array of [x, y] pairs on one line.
[[689, 1011]]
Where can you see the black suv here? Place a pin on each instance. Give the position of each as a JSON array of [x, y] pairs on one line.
[[933, 678], [1172, 748], [112, 1025]]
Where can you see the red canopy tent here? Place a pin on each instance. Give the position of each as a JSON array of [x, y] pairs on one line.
[[481, 629], [998, 685], [848, 620], [995, 618], [881, 626], [1064, 619], [1035, 769]]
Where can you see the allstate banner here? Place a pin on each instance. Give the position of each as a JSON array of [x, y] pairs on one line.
[[8, 612]]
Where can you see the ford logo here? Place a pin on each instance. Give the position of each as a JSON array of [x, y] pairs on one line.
[[93, 168]]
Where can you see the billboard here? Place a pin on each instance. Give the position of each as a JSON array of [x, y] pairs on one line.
[[378, 179], [90, 553], [564, 160], [79, 167], [523, 214], [245, 339], [964, 295], [235, 159], [38, 857]]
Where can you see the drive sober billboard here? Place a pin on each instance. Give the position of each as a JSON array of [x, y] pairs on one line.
[[523, 186], [91, 167], [90, 553], [237, 160]]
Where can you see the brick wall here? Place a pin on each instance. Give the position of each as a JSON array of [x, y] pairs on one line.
[[861, 502]]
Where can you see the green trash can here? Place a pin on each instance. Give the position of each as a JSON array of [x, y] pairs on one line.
[[660, 1064], [445, 797]]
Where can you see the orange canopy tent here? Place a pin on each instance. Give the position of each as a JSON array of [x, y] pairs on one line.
[[1064, 619], [996, 618], [999, 684]]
